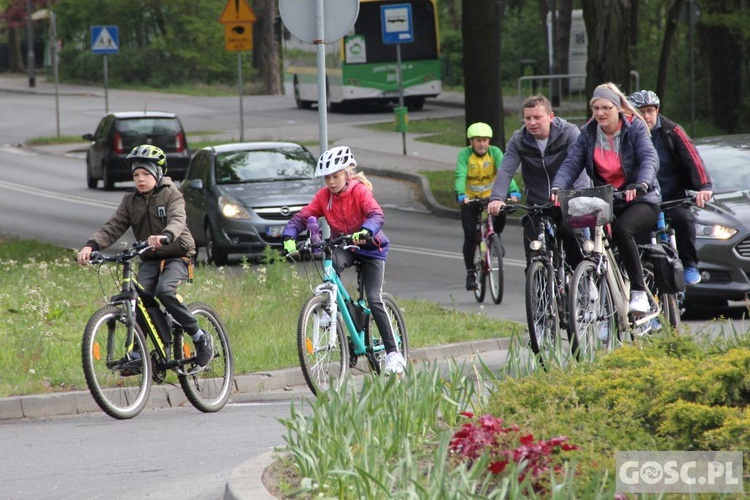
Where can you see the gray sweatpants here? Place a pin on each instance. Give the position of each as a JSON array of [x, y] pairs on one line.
[[163, 285]]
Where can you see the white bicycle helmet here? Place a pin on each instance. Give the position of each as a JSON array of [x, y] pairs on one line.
[[333, 160]]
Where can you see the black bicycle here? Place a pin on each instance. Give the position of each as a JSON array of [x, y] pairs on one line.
[[120, 366], [547, 276]]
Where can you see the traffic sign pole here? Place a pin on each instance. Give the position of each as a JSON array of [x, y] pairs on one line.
[[320, 43], [238, 18]]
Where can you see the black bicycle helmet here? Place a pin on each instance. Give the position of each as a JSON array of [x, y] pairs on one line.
[[644, 98]]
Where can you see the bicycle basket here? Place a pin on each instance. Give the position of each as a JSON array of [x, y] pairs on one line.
[[586, 207]]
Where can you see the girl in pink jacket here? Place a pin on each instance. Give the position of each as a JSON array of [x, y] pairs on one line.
[[349, 207]]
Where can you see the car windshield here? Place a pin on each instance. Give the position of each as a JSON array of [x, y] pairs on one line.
[[265, 165], [729, 167]]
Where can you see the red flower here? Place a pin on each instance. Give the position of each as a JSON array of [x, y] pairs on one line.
[[497, 467]]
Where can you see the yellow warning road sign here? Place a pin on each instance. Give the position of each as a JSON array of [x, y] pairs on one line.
[[238, 37], [237, 11]]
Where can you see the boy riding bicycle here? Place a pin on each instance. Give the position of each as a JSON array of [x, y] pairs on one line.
[[476, 168], [155, 210]]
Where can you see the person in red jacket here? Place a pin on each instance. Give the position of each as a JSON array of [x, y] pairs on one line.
[[349, 207]]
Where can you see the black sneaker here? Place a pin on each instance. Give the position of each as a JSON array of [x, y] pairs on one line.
[[471, 280], [204, 349]]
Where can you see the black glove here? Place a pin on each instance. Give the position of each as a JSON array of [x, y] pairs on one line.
[[639, 187]]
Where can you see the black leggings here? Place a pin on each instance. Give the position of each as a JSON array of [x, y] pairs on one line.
[[632, 222], [469, 217]]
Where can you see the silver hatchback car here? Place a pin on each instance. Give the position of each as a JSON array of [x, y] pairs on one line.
[[239, 197]]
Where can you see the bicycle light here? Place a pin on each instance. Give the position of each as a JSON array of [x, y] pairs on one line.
[[588, 246], [535, 245]]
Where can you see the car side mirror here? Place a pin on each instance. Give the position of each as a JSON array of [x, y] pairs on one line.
[[196, 184], [88, 137]]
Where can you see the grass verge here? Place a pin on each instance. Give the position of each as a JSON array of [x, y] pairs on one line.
[[47, 299]]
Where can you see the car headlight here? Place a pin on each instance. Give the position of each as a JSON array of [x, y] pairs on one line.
[[714, 232], [231, 209]]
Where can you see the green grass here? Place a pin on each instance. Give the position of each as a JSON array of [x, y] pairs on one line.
[[47, 299]]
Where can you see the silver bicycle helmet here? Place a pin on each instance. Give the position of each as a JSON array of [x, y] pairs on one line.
[[335, 159], [644, 98]]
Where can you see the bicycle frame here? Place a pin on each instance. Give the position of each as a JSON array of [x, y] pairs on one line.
[[605, 257], [136, 304], [338, 297]]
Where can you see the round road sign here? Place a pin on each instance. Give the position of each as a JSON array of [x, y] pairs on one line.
[[299, 18]]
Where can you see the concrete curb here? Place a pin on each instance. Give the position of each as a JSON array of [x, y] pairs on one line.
[[166, 396]]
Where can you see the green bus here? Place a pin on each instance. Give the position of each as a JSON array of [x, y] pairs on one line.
[[360, 68]]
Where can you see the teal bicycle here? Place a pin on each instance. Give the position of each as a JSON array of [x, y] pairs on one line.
[[329, 348]]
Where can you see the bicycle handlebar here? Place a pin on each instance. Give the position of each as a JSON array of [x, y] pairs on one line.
[[344, 241], [512, 207], [138, 248]]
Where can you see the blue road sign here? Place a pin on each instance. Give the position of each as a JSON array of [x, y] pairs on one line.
[[396, 23], [105, 39]]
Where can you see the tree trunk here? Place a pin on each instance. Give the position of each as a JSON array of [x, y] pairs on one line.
[[16, 55], [562, 54], [483, 93], [608, 30], [721, 50], [268, 46], [670, 31]]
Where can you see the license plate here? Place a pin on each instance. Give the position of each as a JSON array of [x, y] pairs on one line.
[[274, 231]]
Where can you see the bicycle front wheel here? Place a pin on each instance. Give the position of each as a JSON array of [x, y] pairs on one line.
[[541, 311], [495, 269], [323, 357], [207, 388], [593, 320], [480, 257], [119, 378], [398, 327]]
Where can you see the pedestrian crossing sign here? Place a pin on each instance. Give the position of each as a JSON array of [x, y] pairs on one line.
[[105, 39]]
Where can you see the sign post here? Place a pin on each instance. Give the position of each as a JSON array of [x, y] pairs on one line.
[[105, 40], [397, 27], [332, 20], [238, 18]]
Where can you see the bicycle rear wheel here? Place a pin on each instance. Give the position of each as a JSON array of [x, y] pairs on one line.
[[208, 388], [541, 312], [495, 269], [480, 265], [593, 320], [667, 302], [323, 358], [398, 327], [120, 383]]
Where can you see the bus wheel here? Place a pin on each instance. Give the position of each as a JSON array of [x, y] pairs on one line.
[[414, 103], [297, 100]]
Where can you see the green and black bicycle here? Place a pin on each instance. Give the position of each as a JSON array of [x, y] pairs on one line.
[[118, 362]]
